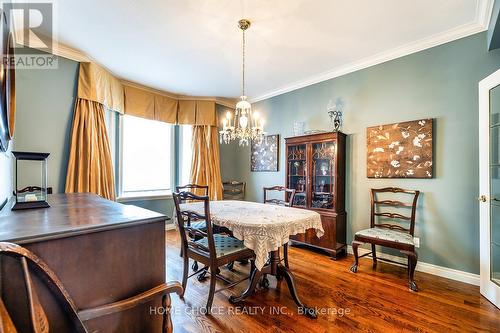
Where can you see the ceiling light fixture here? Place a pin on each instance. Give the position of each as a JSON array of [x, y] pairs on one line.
[[244, 125]]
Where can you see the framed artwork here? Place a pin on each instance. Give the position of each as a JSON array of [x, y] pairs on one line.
[[401, 150], [265, 156]]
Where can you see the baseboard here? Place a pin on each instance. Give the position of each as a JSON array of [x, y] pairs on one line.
[[169, 226], [424, 267]]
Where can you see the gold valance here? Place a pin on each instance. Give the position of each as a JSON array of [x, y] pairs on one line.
[[98, 85], [197, 113], [139, 103], [186, 114], [166, 109], [206, 113], [150, 105]]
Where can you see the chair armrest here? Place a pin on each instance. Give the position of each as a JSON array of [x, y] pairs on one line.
[[106, 309]]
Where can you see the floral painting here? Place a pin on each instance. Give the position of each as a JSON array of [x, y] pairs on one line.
[[266, 154], [401, 150]]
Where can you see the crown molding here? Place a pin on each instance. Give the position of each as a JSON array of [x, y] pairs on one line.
[[67, 52], [58, 48], [480, 23]]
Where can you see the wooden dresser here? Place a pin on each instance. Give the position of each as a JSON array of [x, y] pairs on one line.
[[101, 250], [315, 168]]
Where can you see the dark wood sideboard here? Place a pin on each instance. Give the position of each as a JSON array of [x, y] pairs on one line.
[[315, 168], [102, 251]]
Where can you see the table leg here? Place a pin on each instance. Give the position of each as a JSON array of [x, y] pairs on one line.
[[280, 271], [255, 275], [284, 272]]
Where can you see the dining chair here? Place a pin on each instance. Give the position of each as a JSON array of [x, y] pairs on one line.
[[210, 249], [287, 201], [201, 190], [288, 193], [233, 190], [36, 316], [390, 229]]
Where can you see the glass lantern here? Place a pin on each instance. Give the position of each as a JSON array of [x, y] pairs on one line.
[[30, 180]]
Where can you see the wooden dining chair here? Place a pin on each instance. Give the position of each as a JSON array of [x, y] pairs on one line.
[[38, 320], [201, 190], [210, 249], [390, 229], [289, 194], [233, 190]]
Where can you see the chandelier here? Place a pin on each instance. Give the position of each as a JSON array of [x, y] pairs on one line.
[[244, 125]]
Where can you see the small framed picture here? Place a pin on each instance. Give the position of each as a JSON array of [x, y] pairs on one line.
[[265, 156]]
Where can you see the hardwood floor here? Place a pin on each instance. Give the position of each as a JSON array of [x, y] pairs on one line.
[[368, 301]]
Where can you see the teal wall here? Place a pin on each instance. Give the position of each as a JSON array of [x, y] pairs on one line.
[[45, 101], [228, 153], [441, 83]]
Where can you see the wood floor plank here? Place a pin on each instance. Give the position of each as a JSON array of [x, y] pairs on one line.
[[378, 300]]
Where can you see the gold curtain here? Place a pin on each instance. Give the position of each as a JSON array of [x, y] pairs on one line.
[[205, 165], [90, 168]]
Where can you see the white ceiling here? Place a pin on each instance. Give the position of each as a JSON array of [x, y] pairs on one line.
[[194, 46]]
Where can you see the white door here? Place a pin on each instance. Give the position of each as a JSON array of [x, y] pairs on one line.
[[489, 186]]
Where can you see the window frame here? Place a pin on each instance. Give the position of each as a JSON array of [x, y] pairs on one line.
[[180, 153], [143, 195]]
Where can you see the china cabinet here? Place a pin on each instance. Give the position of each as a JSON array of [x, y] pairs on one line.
[[315, 168]]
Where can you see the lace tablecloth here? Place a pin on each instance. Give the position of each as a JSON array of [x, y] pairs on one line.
[[262, 228]]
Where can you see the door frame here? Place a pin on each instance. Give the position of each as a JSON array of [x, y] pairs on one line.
[[488, 289]]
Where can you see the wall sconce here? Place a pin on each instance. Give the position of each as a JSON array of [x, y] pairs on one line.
[[334, 110]]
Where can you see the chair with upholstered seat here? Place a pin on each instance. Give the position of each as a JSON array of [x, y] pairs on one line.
[[207, 248], [37, 318], [287, 201], [201, 190], [390, 229]]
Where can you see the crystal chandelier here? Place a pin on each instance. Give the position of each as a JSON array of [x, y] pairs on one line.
[[245, 125]]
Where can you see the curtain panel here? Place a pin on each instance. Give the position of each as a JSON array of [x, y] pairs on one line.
[[205, 165], [89, 167]]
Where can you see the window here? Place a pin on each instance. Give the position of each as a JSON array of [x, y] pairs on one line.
[[185, 152], [147, 154]]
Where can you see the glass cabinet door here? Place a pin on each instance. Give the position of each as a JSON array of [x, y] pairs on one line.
[[297, 173], [489, 186], [495, 185], [323, 174]]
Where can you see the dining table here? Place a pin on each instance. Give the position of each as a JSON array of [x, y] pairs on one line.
[[263, 228]]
